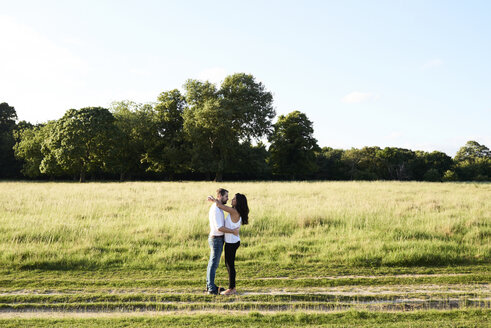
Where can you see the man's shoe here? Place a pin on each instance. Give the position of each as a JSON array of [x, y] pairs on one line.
[[210, 292], [220, 290]]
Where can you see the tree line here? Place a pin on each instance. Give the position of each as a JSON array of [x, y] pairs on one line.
[[209, 132]]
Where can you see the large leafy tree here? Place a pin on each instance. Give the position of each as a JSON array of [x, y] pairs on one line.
[[32, 148], [250, 162], [80, 141], [136, 133], [473, 162], [397, 163], [9, 167], [364, 164], [49, 164], [205, 128], [331, 165], [247, 106], [293, 146], [27, 148], [217, 121], [430, 166], [168, 153], [472, 150]]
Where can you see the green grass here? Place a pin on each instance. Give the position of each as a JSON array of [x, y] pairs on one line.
[[142, 246], [147, 226], [178, 281], [459, 318]]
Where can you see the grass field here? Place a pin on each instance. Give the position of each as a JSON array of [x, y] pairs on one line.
[[314, 253]]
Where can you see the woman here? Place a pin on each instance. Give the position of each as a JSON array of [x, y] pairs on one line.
[[239, 214]]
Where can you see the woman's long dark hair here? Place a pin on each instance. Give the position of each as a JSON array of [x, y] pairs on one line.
[[242, 208]]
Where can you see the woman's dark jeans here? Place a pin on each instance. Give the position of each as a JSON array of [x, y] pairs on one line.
[[230, 250]]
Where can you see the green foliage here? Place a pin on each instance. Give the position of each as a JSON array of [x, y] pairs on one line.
[[397, 162], [8, 165], [473, 162], [330, 164], [135, 137], [28, 149], [364, 164], [293, 146], [209, 130], [424, 161], [432, 175], [216, 121], [169, 150], [205, 125], [248, 107], [471, 151], [249, 162], [81, 139], [450, 176]]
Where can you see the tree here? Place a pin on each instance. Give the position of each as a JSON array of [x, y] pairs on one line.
[[136, 133], [81, 139], [424, 162], [330, 164], [49, 164], [432, 175], [293, 146], [205, 128], [247, 105], [9, 167], [28, 148], [216, 121], [450, 176], [249, 162], [473, 162], [170, 150], [32, 149], [398, 163], [471, 151], [364, 164]]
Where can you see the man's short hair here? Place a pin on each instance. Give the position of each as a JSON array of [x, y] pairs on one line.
[[221, 191]]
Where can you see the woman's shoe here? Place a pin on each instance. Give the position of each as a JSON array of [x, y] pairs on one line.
[[229, 292]]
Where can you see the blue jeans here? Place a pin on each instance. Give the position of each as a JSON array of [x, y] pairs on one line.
[[216, 247]]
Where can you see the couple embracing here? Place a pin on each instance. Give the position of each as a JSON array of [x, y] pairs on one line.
[[225, 222]]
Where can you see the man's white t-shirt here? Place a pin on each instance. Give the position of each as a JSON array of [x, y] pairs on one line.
[[217, 220]]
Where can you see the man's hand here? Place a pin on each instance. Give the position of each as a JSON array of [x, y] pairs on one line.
[[236, 232]]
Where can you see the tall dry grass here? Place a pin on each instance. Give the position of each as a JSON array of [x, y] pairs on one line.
[[150, 225]]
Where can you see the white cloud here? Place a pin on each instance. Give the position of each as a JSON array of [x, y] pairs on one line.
[[359, 97], [214, 74], [434, 63]]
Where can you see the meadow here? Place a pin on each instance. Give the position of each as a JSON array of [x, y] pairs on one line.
[[314, 253]]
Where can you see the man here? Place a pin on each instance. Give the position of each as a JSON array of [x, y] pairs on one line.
[[216, 241]]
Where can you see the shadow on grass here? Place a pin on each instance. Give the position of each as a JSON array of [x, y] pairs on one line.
[[68, 265]]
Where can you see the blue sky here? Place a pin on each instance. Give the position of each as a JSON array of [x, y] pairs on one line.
[[412, 74]]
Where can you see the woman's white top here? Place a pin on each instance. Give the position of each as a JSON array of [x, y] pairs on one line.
[[230, 237]]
